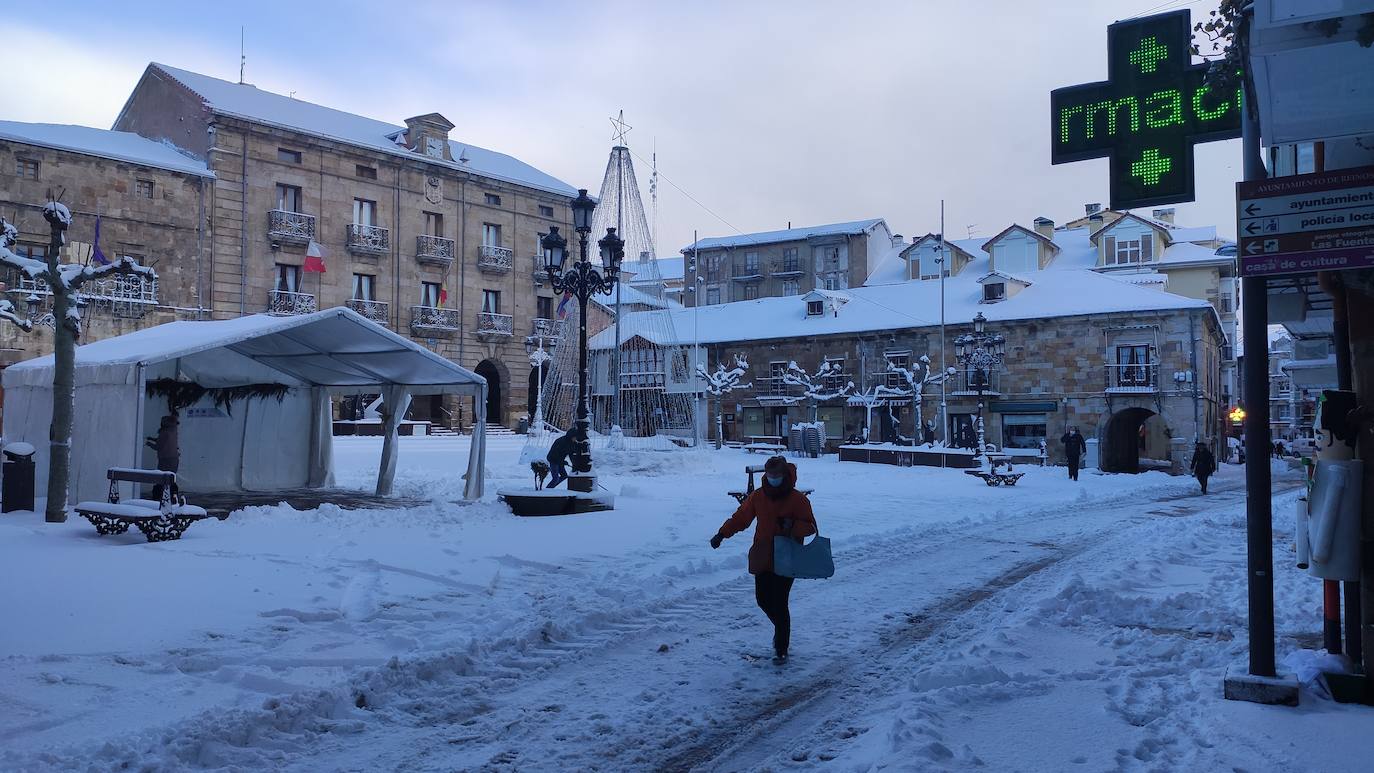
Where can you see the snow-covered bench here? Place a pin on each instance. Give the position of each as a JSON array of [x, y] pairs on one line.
[[999, 471], [159, 521], [767, 448], [752, 470]]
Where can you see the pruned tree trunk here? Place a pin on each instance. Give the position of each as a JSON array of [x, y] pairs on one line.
[[63, 385]]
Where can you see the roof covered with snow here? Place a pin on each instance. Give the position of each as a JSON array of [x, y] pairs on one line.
[[252, 103], [786, 235], [671, 268], [117, 146], [1062, 290]]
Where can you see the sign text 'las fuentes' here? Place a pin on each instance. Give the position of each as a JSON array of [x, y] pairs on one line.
[[1146, 117]]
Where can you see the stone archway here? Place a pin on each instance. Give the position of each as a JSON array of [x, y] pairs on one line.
[[496, 390], [1129, 435]]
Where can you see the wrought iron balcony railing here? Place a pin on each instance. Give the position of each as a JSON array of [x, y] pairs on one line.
[[433, 322], [787, 268], [966, 382], [434, 250], [1133, 379], [495, 325], [746, 273], [495, 259], [368, 239], [538, 271], [377, 311], [283, 302], [290, 227]]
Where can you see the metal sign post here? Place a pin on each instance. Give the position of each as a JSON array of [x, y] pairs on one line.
[[1146, 117]]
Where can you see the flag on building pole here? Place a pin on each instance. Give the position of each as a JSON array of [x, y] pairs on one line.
[[96, 254], [443, 294], [314, 258], [563, 305]]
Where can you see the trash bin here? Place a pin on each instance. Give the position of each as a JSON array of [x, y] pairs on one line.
[[524, 426], [16, 488]]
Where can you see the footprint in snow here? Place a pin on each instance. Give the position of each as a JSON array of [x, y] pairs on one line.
[[359, 600]]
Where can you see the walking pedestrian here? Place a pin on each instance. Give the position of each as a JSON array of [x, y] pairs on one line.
[[776, 508], [167, 444], [1074, 448], [1204, 464], [558, 455]]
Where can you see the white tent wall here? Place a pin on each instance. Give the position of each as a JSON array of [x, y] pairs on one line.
[[103, 433]]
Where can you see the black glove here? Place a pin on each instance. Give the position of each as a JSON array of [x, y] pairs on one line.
[[715, 541]]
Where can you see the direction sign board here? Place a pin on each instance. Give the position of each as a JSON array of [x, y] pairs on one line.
[[1153, 107], [1309, 222]]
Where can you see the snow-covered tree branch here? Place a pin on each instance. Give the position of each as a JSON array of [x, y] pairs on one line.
[[722, 382], [818, 387], [917, 378]]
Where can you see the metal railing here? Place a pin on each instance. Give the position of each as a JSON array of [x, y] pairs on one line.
[[966, 382], [432, 320], [435, 250], [283, 302], [539, 271], [368, 239], [286, 226], [746, 272], [547, 328], [787, 268], [1133, 378], [490, 324], [490, 258], [377, 311]]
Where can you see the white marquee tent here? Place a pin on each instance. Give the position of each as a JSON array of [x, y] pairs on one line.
[[254, 444]]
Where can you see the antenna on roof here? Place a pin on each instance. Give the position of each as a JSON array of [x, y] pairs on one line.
[[969, 228], [653, 192], [243, 57]]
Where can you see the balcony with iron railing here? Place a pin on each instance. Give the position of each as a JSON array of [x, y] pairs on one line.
[[1133, 379], [546, 328], [288, 227], [433, 321], [124, 296], [377, 311], [368, 240], [787, 269], [967, 382], [495, 260], [434, 250], [749, 272], [494, 326], [538, 270], [284, 302]]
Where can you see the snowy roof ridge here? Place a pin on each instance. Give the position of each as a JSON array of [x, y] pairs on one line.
[[251, 103], [1004, 275], [105, 143], [785, 235], [1023, 229]]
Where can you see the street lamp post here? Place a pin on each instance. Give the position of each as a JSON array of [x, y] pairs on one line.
[[979, 353], [582, 280], [534, 347]]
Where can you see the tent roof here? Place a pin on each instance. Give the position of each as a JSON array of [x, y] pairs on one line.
[[330, 348]]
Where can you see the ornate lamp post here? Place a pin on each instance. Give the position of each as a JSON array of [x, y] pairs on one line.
[[583, 280], [979, 354], [534, 347]]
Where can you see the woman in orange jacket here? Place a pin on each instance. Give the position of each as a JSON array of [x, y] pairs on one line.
[[777, 508]]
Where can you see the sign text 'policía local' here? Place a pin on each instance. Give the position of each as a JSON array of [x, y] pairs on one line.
[[1310, 222]]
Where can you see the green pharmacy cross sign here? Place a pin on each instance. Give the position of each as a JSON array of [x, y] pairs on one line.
[[1148, 114]]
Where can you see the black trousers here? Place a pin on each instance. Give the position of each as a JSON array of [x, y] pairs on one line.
[[771, 592], [1073, 468]]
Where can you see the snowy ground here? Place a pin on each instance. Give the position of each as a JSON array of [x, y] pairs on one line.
[[1053, 626]]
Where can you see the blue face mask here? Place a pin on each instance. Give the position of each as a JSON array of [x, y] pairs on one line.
[[774, 482]]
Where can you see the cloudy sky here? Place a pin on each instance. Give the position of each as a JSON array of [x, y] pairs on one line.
[[762, 113]]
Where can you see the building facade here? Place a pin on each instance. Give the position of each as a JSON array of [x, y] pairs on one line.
[[773, 264], [437, 239]]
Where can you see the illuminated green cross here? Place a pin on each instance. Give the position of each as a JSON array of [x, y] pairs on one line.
[[1148, 55], [1146, 117]]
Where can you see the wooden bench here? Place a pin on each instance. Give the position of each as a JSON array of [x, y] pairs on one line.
[[752, 470], [767, 448], [159, 521]]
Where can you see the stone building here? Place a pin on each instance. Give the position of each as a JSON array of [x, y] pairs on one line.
[[780, 263], [1136, 368], [151, 203], [426, 234]]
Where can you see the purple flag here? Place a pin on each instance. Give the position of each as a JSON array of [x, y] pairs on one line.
[[96, 254]]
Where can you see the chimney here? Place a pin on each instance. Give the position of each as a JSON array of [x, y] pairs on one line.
[[1092, 209], [898, 240], [1164, 215], [1094, 221], [1045, 227]]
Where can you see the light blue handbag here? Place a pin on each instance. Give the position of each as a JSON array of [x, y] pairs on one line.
[[805, 561]]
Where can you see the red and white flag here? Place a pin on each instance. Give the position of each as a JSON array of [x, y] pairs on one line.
[[314, 258]]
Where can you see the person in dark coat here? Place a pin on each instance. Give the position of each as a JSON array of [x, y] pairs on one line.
[[1204, 464], [776, 509], [558, 455], [1074, 448], [167, 444]]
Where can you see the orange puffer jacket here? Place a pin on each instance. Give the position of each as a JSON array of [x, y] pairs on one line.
[[770, 506]]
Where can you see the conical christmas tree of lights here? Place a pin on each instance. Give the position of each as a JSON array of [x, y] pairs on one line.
[[654, 402]]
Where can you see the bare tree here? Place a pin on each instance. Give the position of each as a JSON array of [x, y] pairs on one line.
[[814, 386], [917, 378], [722, 382], [64, 282]]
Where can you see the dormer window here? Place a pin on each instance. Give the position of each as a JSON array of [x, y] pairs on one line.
[[994, 292], [1125, 252], [815, 308]]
